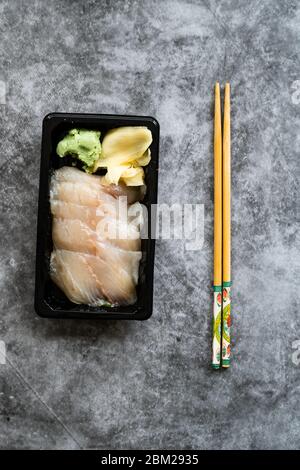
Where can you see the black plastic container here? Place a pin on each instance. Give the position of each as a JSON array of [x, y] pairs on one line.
[[50, 301]]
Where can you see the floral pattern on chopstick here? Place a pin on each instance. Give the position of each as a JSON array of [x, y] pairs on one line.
[[226, 324], [217, 322]]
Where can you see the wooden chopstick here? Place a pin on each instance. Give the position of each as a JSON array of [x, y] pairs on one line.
[[226, 184], [217, 306]]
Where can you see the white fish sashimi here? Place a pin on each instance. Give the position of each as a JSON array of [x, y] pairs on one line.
[[117, 286], [119, 259], [90, 215], [73, 235], [71, 272], [132, 193], [67, 210], [120, 234], [97, 251], [68, 173], [76, 193], [73, 175], [86, 279]]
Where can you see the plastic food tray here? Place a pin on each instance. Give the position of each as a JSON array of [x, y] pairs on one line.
[[50, 301]]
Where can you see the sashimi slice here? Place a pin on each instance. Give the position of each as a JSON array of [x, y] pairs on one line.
[[67, 210], [73, 235], [78, 234], [117, 286], [120, 234], [72, 274], [120, 260], [89, 280], [77, 193], [73, 175], [88, 214], [132, 193]]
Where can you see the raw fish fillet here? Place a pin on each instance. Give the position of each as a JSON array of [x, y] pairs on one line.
[[75, 235], [71, 272], [67, 210], [87, 279], [96, 252], [73, 175], [82, 194]]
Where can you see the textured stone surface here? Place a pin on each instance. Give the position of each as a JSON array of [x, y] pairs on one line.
[[70, 384]]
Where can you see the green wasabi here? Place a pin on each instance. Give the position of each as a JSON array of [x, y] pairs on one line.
[[82, 144]]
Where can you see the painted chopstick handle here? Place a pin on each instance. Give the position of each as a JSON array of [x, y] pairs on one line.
[[226, 324], [217, 321]]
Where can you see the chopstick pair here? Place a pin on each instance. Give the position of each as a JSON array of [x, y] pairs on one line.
[[222, 233]]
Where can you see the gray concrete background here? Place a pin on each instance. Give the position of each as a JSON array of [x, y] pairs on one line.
[[70, 384]]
